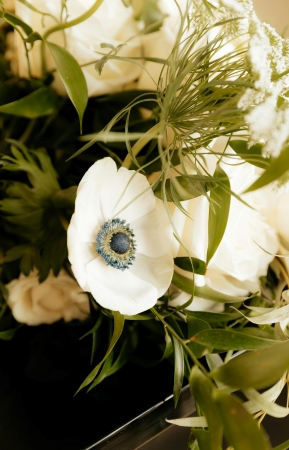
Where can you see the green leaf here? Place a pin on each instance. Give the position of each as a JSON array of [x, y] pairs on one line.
[[276, 169], [241, 430], [33, 37], [9, 334], [41, 102], [15, 21], [65, 198], [257, 369], [72, 77], [118, 327], [194, 327], [179, 368], [202, 389], [252, 155], [218, 213], [283, 446], [110, 367], [231, 340], [194, 265], [212, 317], [187, 285]]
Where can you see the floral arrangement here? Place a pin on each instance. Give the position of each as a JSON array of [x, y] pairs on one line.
[[173, 216]]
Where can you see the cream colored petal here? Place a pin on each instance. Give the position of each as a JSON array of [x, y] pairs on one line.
[[153, 232], [88, 216], [127, 195], [156, 271], [119, 290], [79, 255]]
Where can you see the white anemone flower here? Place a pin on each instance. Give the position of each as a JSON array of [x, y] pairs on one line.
[[119, 239]]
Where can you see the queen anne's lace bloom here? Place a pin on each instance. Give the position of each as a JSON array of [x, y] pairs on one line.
[[119, 239]]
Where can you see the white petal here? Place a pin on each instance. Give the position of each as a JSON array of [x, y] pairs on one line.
[[126, 194], [153, 232], [79, 254], [156, 271], [119, 290], [88, 213]]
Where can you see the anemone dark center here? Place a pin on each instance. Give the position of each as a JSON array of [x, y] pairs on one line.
[[120, 243]]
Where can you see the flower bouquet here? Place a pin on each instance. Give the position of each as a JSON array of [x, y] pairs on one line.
[[144, 202]]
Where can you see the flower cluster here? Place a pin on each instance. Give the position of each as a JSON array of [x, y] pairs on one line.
[[167, 227]]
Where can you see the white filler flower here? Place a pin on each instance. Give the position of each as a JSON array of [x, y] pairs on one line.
[[119, 239], [56, 298]]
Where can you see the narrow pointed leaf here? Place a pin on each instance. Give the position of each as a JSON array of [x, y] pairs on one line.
[[253, 155], [219, 212], [194, 265], [284, 446], [241, 430], [118, 327], [179, 369], [257, 369], [276, 169], [202, 389], [41, 102], [72, 77], [231, 340], [187, 285], [15, 21], [194, 327]]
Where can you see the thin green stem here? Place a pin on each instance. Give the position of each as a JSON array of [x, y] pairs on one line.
[[74, 22], [139, 145], [181, 341]]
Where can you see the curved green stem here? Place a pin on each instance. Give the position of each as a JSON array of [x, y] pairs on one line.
[[139, 145], [181, 341], [74, 22]]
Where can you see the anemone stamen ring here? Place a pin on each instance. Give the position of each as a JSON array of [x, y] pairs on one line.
[[115, 244]]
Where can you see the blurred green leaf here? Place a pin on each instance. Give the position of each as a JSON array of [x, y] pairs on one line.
[[257, 369], [283, 446], [202, 389], [72, 77], [65, 198], [187, 285], [15, 21], [219, 212], [41, 102], [194, 327], [179, 368], [123, 355], [9, 334], [241, 430], [194, 265], [118, 327], [252, 155], [231, 340], [212, 317], [277, 168]]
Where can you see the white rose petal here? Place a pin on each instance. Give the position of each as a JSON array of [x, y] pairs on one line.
[[56, 298], [105, 194]]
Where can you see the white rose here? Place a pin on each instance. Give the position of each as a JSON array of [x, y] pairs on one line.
[[240, 260], [56, 298], [112, 23]]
